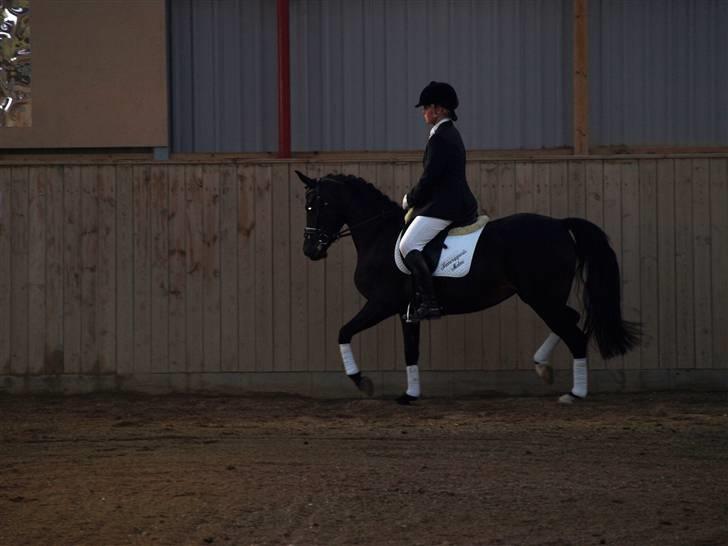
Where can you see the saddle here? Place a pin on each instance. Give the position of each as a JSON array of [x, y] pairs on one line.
[[433, 250]]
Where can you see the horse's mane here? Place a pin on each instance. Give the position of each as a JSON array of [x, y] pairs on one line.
[[365, 190]]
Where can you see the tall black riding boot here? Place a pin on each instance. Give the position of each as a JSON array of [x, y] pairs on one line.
[[427, 307]]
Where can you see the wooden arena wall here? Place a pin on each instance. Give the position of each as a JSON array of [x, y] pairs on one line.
[[190, 277]]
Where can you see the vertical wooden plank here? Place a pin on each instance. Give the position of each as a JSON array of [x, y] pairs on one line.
[[159, 294], [649, 291], [508, 310], [333, 265], [72, 269], [211, 267], [554, 200], [352, 300], [402, 179], [595, 213], [299, 272], [229, 207], [719, 258], [195, 357], [702, 265], [6, 224], [54, 272], [263, 265], [457, 325], [368, 339], [19, 294], [473, 346], [684, 263], [613, 223], [550, 199], [576, 186], [106, 271], [559, 191], [631, 303], [576, 183], [124, 270], [385, 330], [282, 272], [142, 270], [528, 190], [491, 329], [37, 216], [667, 324], [246, 267], [178, 249], [89, 263]]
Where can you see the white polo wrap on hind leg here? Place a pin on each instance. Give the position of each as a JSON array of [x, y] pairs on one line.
[[348, 358], [413, 381], [580, 377], [543, 354]]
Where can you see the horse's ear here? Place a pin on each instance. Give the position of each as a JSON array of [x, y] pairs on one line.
[[310, 182]]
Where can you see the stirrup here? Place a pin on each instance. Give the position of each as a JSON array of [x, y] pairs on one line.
[[413, 315]]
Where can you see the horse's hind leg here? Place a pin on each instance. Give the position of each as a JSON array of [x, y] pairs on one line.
[[562, 320], [542, 356]]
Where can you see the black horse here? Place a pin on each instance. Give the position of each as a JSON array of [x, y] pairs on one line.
[[534, 256]]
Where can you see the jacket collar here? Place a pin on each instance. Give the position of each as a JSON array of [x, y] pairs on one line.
[[437, 126]]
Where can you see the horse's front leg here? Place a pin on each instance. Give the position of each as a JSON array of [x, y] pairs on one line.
[[370, 315], [411, 334]]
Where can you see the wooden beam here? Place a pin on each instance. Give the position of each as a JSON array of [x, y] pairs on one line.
[[581, 78]]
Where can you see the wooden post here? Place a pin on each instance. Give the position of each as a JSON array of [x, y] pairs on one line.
[[284, 87], [581, 78]]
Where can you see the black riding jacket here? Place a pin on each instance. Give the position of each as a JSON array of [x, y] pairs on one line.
[[442, 191]]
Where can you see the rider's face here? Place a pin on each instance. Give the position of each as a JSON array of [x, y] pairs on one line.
[[433, 113]]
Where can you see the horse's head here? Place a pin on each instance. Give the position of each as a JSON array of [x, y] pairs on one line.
[[324, 218]]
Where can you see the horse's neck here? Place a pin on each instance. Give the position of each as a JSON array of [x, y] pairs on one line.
[[371, 229]]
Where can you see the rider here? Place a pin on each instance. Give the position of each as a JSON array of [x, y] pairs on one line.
[[441, 196]]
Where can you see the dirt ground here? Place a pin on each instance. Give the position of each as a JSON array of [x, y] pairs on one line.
[[268, 470]]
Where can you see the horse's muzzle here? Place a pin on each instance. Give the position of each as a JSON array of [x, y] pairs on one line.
[[314, 251]]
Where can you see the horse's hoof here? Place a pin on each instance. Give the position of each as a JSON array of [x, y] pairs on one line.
[[405, 399], [366, 386], [569, 398], [545, 372]]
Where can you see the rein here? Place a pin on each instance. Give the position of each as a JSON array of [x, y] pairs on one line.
[[345, 232], [327, 238]]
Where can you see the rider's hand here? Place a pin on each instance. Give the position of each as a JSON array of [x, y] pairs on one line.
[[405, 205]]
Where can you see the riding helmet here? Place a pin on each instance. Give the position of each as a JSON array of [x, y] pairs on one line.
[[440, 94]]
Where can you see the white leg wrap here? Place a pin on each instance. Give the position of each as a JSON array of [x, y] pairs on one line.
[[580, 377], [543, 354], [348, 358], [413, 380]]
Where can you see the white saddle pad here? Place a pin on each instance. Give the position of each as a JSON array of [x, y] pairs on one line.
[[455, 260]]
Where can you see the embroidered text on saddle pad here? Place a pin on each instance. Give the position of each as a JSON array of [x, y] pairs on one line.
[[455, 260]]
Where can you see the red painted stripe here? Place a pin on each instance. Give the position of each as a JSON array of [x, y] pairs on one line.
[[284, 82]]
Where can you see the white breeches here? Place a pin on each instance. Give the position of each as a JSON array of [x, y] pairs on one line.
[[420, 232]]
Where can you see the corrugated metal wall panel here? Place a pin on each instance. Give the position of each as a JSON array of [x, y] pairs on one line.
[[223, 92], [658, 72], [358, 67]]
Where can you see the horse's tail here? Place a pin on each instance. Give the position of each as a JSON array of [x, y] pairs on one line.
[[598, 268]]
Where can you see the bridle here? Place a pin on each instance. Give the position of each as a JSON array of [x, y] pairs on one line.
[[324, 238]]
